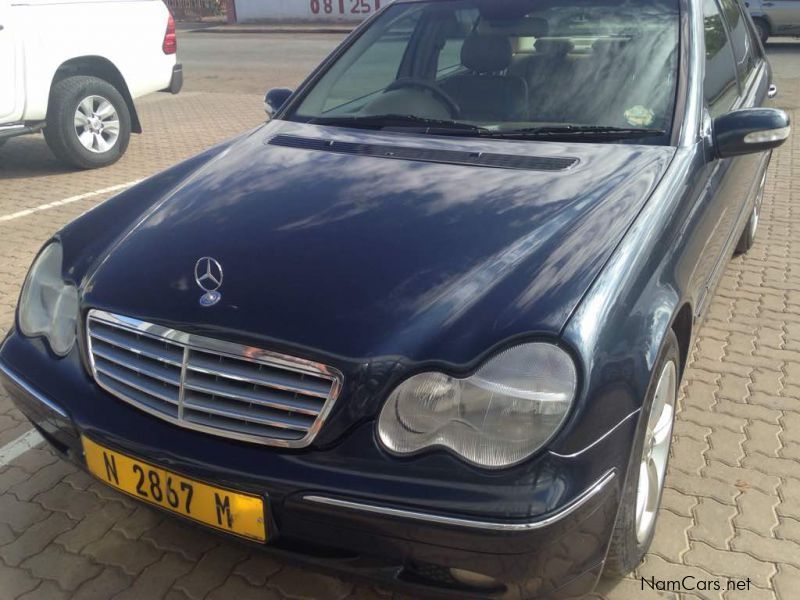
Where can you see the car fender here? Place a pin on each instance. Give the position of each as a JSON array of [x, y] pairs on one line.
[[98, 66], [620, 326]]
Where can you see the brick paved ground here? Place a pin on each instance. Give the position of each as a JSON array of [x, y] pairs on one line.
[[732, 503]]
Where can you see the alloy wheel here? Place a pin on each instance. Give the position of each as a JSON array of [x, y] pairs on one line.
[[655, 452], [757, 209], [97, 124]]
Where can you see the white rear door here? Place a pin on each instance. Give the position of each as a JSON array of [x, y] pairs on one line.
[[8, 64], [784, 14]]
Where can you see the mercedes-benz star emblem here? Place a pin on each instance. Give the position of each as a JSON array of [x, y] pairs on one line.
[[208, 275]]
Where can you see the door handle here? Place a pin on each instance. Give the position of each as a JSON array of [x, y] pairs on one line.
[[772, 91]]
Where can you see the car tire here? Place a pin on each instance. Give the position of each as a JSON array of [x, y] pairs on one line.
[[751, 229], [762, 28], [88, 122], [635, 525]]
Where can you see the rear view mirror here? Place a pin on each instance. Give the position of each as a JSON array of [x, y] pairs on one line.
[[275, 100], [750, 131]]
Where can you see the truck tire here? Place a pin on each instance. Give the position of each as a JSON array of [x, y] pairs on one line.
[[762, 27], [88, 122]]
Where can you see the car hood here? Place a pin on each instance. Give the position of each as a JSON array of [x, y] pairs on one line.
[[357, 256]]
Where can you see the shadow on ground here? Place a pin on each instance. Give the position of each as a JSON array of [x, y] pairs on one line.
[[28, 156]]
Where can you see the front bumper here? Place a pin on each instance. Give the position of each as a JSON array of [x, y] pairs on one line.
[[558, 554]]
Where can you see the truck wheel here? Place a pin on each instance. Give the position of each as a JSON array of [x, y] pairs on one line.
[[762, 27], [88, 122], [644, 485]]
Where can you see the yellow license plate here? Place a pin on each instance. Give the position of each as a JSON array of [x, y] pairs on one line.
[[232, 512]]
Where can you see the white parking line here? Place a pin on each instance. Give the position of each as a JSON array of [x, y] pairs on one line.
[[19, 446], [57, 203]]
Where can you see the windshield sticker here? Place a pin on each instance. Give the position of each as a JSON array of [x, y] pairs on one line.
[[640, 116]]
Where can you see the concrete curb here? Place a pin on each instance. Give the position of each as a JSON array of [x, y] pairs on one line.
[[232, 29]]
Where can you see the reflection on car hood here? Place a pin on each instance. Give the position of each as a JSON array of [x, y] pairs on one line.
[[362, 256]]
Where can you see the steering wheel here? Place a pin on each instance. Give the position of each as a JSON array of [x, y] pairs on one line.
[[413, 82]]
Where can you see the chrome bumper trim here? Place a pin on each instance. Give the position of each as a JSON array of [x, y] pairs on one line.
[[31, 391], [592, 491], [597, 442]]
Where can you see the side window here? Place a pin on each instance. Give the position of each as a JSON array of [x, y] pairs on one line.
[[740, 36], [721, 88], [372, 71], [454, 32], [450, 57]]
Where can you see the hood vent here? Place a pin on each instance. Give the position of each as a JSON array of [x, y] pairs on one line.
[[452, 157]]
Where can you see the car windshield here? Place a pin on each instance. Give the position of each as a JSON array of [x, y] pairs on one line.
[[577, 69]]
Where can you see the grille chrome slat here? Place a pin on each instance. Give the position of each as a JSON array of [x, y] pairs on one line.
[[282, 437], [172, 357], [209, 385], [140, 384], [250, 415], [259, 398], [138, 329], [203, 364], [132, 395], [139, 367]]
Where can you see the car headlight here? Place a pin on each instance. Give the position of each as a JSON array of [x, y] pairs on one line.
[[498, 417], [49, 306]]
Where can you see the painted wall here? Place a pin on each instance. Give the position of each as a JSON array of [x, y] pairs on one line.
[[307, 10]]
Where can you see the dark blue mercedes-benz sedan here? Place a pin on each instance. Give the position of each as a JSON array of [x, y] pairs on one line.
[[428, 325]]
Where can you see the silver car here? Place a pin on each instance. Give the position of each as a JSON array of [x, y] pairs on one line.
[[775, 17]]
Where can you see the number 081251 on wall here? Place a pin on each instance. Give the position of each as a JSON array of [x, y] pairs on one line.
[[346, 7]]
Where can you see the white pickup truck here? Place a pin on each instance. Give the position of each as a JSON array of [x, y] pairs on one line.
[[74, 68]]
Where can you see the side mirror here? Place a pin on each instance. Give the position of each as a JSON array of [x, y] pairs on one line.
[[750, 130], [275, 99]]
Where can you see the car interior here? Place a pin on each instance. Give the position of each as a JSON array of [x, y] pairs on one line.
[[513, 76]]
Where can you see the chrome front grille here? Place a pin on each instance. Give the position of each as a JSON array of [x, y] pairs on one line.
[[209, 385]]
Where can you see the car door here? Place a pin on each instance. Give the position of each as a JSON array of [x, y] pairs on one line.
[[731, 71], [721, 92], [784, 15], [8, 65], [744, 172]]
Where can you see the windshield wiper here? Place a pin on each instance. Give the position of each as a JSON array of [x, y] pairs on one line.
[[406, 123], [595, 132]]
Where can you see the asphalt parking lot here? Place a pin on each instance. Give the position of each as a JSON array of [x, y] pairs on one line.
[[732, 504]]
